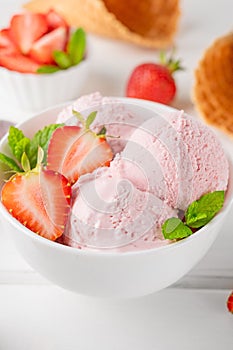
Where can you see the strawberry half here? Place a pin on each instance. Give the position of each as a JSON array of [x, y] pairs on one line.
[[42, 50], [74, 151], [17, 62], [54, 20], [40, 200], [26, 28]]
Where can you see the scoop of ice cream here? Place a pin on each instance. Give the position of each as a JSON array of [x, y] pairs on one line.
[[120, 119], [82, 103], [176, 158], [110, 212]]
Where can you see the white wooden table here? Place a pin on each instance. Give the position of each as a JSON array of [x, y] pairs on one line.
[[191, 314]]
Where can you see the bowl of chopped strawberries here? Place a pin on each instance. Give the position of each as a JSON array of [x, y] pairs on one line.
[[43, 61]]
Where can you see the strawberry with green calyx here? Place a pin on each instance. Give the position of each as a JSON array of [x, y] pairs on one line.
[[154, 81], [38, 198], [74, 151]]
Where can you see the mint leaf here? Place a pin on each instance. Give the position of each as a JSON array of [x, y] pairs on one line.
[[20, 148], [26, 150], [174, 228], [17, 142], [47, 69], [76, 46], [62, 59], [41, 138], [9, 162], [200, 212]]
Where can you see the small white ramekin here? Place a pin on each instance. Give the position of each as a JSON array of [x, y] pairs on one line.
[[33, 92]]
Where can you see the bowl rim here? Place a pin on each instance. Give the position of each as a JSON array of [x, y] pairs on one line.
[[228, 202], [60, 72]]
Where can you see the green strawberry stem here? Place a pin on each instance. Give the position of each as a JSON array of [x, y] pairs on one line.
[[25, 163], [86, 123], [169, 62]]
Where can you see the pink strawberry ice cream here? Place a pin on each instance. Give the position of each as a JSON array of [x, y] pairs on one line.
[[162, 163], [181, 159], [110, 212], [120, 122]]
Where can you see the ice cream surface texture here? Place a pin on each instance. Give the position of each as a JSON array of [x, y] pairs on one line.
[[110, 212], [181, 158], [120, 122], [163, 161]]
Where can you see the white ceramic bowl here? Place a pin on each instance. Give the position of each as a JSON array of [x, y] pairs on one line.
[[34, 92], [108, 274]]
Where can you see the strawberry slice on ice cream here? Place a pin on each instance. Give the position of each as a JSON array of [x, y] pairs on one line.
[[74, 151]]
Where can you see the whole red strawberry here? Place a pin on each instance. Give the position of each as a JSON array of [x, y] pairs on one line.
[[154, 81], [230, 303]]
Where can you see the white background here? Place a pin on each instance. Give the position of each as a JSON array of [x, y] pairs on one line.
[[191, 314]]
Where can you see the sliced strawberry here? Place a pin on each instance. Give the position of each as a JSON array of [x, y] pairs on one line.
[[42, 50], [18, 62], [26, 28], [74, 151], [39, 200], [5, 39], [8, 51], [7, 46], [55, 20]]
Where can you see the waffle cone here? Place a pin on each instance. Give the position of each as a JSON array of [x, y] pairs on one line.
[[213, 86], [151, 23]]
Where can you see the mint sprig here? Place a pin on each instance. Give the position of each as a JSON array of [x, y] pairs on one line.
[[20, 146], [76, 48], [48, 69], [10, 163], [197, 215], [174, 228], [41, 138], [200, 212], [62, 59], [17, 142]]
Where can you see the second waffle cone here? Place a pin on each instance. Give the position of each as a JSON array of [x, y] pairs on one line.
[[213, 88]]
